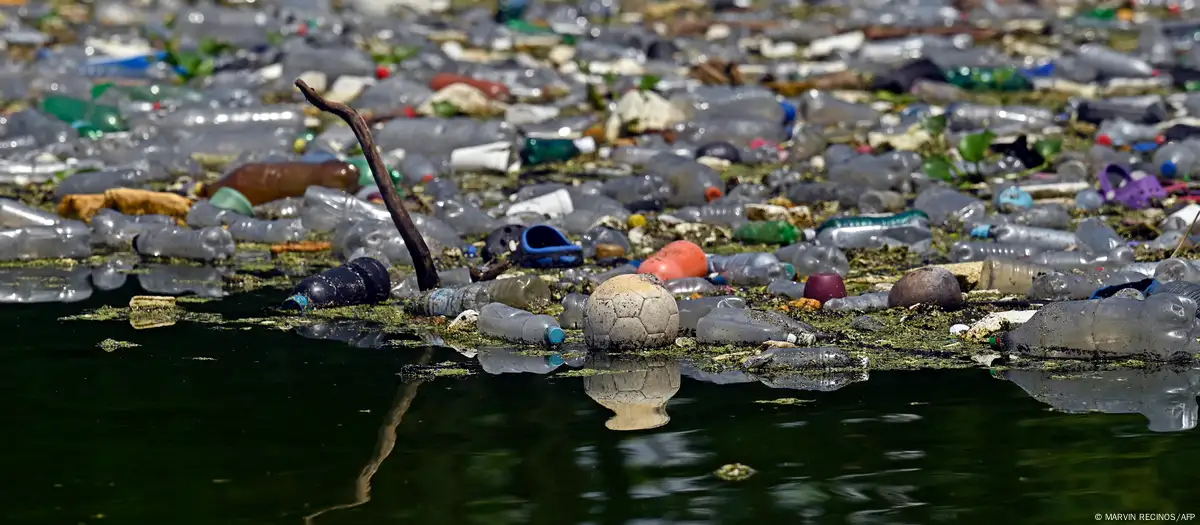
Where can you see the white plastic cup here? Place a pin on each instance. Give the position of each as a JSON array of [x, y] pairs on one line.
[[555, 204]]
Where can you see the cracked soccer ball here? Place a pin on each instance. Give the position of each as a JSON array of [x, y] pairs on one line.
[[630, 312]]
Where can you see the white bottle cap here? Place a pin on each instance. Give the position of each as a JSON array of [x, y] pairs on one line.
[[554, 204], [493, 156], [586, 145]]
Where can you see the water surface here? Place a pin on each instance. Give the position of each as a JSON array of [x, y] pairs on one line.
[[207, 425]]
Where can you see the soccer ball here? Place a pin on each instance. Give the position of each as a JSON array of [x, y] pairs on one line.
[[630, 312]]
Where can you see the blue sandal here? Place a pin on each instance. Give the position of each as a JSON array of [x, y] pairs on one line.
[[544, 246]]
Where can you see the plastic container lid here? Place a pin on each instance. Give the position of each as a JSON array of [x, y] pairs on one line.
[[227, 198]]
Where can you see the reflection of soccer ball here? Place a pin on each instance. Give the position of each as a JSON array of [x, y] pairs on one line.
[[629, 312]]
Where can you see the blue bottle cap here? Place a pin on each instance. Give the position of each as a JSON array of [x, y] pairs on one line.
[[981, 231], [718, 280], [554, 360], [298, 301], [555, 336], [470, 250], [789, 112], [1169, 169], [635, 262], [1016, 197], [1145, 147]]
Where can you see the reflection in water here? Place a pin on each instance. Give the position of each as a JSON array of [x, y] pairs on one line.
[[636, 389], [204, 281], [359, 334], [113, 273], [821, 381], [502, 361], [1166, 397], [44, 285]]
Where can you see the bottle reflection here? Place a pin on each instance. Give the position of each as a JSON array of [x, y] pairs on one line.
[[497, 360], [44, 285], [1166, 397], [636, 389], [359, 334]]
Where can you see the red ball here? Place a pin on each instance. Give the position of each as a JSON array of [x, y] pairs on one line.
[[824, 286]]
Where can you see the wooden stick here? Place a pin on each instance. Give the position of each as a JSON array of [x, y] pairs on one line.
[[427, 277], [1186, 234]]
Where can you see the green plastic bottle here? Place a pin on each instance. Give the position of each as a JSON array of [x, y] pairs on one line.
[[83, 114], [989, 79], [542, 150], [898, 219], [767, 232]]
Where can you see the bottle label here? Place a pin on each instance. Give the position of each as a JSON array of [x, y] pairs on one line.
[[439, 301]]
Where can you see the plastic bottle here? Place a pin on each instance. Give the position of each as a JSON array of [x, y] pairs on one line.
[[1114, 63], [636, 189], [1082, 261], [1096, 236], [744, 326], [692, 310], [543, 150], [689, 286], [1008, 276], [1177, 159], [261, 183], [132, 176], [767, 232], [1160, 328], [760, 275], [977, 251], [67, 239], [516, 325], [326, 208], [1177, 269], [16, 214], [821, 108], [407, 287], [466, 218], [1027, 235], [950, 208], [207, 244], [1050, 216], [524, 291], [810, 258], [249, 229], [733, 214], [1059, 286], [675, 260], [691, 183], [574, 305], [116, 230], [601, 237], [905, 229], [786, 288], [865, 302], [877, 201], [1089, 200], [722, 263], [361, 281]]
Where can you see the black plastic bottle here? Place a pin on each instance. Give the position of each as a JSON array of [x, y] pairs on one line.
[[361, 281]]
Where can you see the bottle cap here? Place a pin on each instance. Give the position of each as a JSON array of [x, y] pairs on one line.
[[586, 145], [789, 112], [297, 302], [364, 172], [1169, 169], [790, 269], [227, 198], [555, 335], [981, 231], [713, 193]]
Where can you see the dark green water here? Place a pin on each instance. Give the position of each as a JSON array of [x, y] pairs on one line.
[[205, 426]]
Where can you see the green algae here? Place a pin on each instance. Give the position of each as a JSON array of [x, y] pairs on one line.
[[785, 401], [112, 345]]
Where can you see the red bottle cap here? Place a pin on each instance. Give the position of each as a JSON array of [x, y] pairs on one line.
[[382, 72], [1104, 140], [713, 193]]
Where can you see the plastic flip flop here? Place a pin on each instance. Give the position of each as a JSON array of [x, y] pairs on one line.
[[1118, 185], [544, 246]]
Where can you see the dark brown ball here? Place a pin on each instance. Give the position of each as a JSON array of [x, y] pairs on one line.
[[936, 286]]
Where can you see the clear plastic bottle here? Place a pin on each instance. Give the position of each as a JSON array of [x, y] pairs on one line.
[[1027, 235], [133, 176], [67, 239], [722, 263], [809, 259], [880, 201], [1089, 200], [466, 218], [744, 326], [692, 183], [114, 229], [206, 244], [948, 207], [16, 214], [977, 251], [1160, 328], [519, 326], [689, 286], [733, 214], [1082, 261], [1052, 216], [249, 229], [574, 305], [865, 302], [407, 288], [601, 235], [638, 188], [1177, 159], [523, 291], [758, 275], [1060, 286], [1177, 269], [824, 109], [786, 288], [1008, 276], [326, 208], [285, 208], [691, 310], [1096, 236], [878, 232]]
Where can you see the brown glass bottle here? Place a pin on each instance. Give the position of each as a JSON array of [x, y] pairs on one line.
[[265, 182]]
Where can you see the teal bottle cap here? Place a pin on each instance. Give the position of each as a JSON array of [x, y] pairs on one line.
[[364, 172], [790, 269], [555, 335], [230, 199]]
